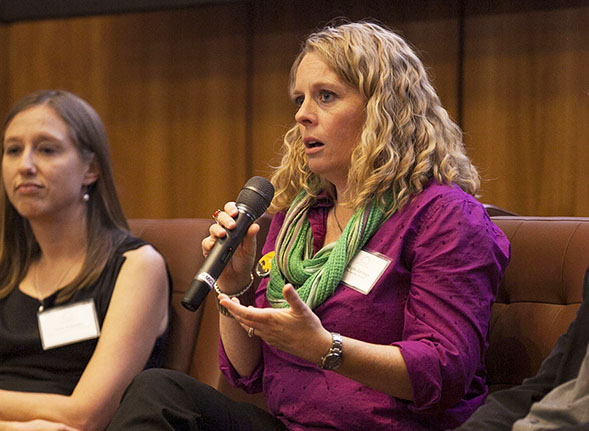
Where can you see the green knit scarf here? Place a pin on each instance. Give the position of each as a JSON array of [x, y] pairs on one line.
[[316, 277]]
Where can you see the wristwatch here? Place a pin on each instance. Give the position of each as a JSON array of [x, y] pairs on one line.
[[333, 359]]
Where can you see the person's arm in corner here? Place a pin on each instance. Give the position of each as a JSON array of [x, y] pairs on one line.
[[34, 425], [503, 408], [137, 315]]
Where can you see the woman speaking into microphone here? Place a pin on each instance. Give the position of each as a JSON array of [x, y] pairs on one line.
[[374, 312]]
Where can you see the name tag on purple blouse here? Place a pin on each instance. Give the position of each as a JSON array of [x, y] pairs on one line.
[[68, 324], [364, 270]]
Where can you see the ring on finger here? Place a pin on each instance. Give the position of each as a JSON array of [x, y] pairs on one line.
[[250, 332], [216, 214]]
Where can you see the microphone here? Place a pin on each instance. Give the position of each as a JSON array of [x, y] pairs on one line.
[[254, 198]]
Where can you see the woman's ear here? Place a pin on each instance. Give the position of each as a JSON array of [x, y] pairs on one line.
[[92, 172]]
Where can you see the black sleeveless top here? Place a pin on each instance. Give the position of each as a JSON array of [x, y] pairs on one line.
[[25, 366]]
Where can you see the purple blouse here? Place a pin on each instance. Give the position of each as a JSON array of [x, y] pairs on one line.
[[433, 301]]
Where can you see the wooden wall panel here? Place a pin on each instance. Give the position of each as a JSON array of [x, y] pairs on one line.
[[526, 100], [170, 87], [3, 69], [195, 100], [430, 26]]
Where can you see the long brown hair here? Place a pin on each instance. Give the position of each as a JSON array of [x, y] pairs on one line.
[[106, 223]]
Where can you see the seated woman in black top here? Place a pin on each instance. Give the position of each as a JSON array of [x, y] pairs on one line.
[[83, 304]]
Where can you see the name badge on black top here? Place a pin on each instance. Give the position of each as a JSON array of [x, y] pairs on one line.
[[68, 324]]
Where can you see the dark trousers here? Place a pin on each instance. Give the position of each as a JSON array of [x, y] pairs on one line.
[[160, 399]]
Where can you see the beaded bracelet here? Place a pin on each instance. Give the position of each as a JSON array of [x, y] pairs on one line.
[[243, 291]]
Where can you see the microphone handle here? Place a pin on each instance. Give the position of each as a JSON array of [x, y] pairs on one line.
[[213, 266]]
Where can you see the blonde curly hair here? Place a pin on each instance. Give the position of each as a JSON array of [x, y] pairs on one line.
[[407, 137]]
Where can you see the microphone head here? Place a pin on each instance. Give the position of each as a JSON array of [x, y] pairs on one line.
[[256, 195]]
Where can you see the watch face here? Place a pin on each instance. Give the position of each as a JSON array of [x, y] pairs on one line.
[[332, 361]]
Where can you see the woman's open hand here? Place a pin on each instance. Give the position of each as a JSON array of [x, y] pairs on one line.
[[295, 330]]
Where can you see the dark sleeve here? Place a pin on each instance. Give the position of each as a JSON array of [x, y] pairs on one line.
[[503, 408]]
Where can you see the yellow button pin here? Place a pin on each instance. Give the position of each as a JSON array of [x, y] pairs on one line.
[[264, 264]]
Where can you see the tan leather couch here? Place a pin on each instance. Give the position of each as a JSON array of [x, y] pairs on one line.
[[539, 296], [193, 335], [537, 300]]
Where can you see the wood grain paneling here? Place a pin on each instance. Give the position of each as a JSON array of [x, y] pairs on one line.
[[3, 70], [526, 100], [170, 87], [195, 100]]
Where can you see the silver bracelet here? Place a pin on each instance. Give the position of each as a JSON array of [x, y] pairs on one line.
[[224, 310]]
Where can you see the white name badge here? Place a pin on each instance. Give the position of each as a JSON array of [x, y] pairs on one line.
[[68, 324], [364, 270]]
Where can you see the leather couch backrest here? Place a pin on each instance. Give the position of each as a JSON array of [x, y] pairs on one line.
[[539, 296], [179, 241]]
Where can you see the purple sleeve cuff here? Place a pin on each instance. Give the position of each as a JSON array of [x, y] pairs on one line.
[[425, 373], [250, 384]]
